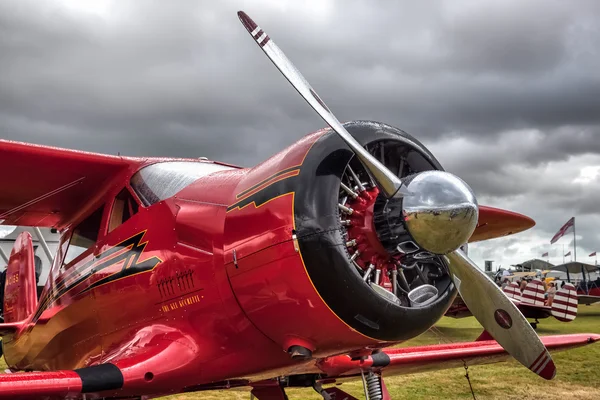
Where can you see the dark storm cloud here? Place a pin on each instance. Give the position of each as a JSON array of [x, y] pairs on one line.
[[506, 93]]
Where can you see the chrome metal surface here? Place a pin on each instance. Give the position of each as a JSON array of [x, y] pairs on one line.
[[423, 295], [403, 280], [368, 272], [350, 192], [377, 276], [359, 184], [407, 247], [345, 210], [364, 382], [441, 214], [374, 386], [383, 292]]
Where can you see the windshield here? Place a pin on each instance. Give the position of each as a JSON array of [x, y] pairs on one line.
[[160, 181]]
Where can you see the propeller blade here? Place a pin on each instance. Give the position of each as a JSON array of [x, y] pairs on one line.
[[499, 316], [387, 181]]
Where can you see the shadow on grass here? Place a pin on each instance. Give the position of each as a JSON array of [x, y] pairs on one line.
[[594, 314], [541, 330]]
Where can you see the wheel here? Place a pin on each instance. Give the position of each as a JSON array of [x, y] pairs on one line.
[[533, 325]]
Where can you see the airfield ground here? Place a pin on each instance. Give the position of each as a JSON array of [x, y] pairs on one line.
[[578, 373]]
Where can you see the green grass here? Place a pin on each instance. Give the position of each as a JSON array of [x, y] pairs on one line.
[[578, 373]]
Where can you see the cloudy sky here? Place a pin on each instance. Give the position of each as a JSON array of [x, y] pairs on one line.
[[506, 94]]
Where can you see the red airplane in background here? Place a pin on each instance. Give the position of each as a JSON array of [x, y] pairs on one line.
[[181, 275]]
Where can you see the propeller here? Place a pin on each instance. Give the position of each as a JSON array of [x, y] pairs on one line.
[[387, 181], [440, 213]]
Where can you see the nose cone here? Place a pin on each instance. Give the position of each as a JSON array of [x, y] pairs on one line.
[[441, 213]]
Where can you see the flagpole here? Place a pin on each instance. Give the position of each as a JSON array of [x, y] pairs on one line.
[[574, 241]]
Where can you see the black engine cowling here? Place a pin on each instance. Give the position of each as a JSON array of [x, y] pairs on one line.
[[324, 239]]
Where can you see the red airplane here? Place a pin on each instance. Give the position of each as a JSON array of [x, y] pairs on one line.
[[181, 275]]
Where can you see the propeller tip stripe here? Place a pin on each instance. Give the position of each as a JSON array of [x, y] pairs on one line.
[[537, 360], [264, 42], [544, 366], [247, 21], [549, 371]]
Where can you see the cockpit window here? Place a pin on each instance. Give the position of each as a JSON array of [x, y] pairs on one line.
[[160, 181], [84, 236], [124, 208]]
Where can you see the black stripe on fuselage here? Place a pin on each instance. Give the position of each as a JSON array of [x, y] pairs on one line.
[[274, 176], [131, 250], [276, 189]]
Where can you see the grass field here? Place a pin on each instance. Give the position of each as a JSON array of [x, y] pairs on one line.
[[578, 373]]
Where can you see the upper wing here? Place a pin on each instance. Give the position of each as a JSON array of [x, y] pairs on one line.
[[411, 360], [43, 186], [494, 222]]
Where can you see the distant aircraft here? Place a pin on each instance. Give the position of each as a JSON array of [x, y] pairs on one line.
[[531, 302], [182, 275], [588, 291]]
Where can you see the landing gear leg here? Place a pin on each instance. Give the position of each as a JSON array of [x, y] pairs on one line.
[[319, 389], [374, 387]]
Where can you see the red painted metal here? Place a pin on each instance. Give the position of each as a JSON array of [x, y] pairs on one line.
[[409, 360], [35, 385], [494, 222], [274, 392], [20, 297], [592, 291], [194, 313], [337, 393], [362, 228]]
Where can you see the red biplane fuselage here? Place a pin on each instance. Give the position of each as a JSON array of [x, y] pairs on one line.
[[218, 280]]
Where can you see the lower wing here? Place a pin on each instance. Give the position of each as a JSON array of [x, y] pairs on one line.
[[110, 378], [410, 360]]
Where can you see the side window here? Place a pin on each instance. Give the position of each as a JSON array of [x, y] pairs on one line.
[[123, 208], [84, 235]]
